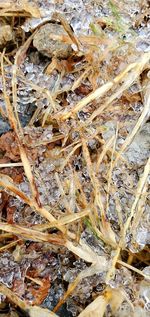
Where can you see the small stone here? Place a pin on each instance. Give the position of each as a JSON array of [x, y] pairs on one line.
[[49, 47]]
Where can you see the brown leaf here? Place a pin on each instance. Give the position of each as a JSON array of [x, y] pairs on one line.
[[41, 293], [15, 173], [8, 145]]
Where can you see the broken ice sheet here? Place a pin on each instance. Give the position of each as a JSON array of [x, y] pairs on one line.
[[34, 73], [144, 291], [23, 214], [47, 186], [109, 130], [34, 135], [126, 310], [31, 24], [146, 271], [143, 237], [78, 14], [139, 150], [46, 12]]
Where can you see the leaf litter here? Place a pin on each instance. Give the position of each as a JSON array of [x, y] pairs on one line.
[[74, 158]]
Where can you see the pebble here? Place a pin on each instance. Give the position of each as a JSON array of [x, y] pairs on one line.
[[49, 47]]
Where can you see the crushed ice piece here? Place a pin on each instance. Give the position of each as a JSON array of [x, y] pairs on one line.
[[144, 292], [146, 271], [143, 46], [9, 269], [142, 236], [139, 149], [74, 47]]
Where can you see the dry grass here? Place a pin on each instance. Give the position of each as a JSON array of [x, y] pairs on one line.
[[96, 211]]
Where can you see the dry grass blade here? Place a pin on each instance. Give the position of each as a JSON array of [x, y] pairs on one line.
[[82, 197], [134, 269], [28, 172], [72, 218], [111, 272], [140, 209], [53, 139], [13, 297], [86, 253], [42, 90], [116, 297], [69, 155], [65, 220], [10, 165], [35, 280], [63, 195], [19, 58], [130, 74], [67, 28], [7, 183], [92, 207], [133, 214], [51, 106], [93, 178], [139, 192], [99, 92], [31, 234], [98, 307], [104, 151], [9, 110], [107, 233], [4, 236], [110, 171], [132, 71], [70, 290], [119, 212], [81, 78], [139, 123], [36, 311], [9, 245]]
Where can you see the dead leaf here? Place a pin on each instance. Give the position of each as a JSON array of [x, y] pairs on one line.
[[96, 308], [36, 311]]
